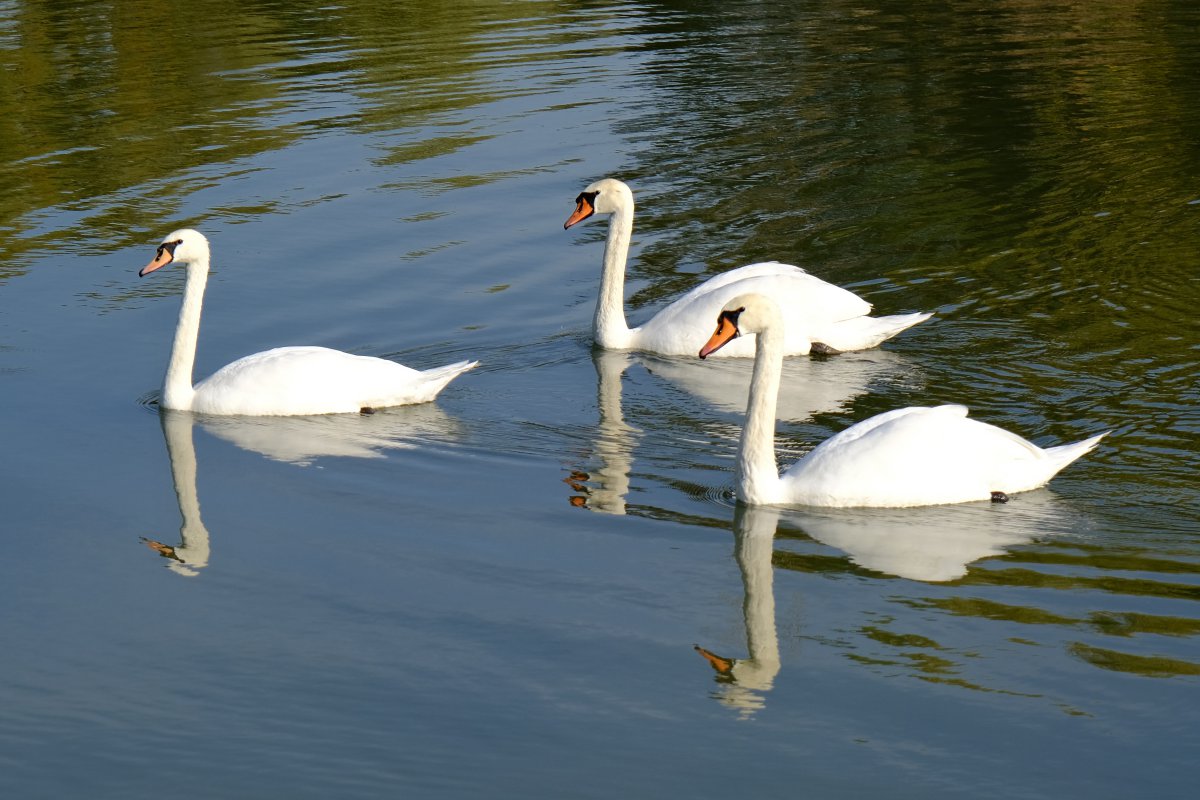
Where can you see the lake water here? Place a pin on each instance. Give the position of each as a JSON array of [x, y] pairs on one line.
[[500, 594]]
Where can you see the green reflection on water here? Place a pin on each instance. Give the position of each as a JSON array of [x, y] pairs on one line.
[[1148, 666], [990, 609], [120, 108], [1104, 583], [1133, 623]]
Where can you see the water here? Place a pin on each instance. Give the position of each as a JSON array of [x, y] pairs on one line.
[[499, 594]]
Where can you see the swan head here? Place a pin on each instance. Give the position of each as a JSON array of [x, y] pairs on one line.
[[605, 196], [185, 245], [746, 313]]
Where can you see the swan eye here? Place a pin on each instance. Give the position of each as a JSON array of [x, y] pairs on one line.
[[585, 206], [732, 318], [168, 247]]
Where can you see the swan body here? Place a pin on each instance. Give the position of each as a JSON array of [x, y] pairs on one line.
[[818, 313], [913, 456], [286, 380]]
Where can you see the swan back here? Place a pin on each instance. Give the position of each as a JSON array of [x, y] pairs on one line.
[[317, 380], [923, 456]]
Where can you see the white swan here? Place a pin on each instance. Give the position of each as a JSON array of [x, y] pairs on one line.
[[819, 314], [908, 457], [286, 380]]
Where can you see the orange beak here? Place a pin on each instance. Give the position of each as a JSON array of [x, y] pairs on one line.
[[726, 332], [583, 210], [161, 259], [724, 666]]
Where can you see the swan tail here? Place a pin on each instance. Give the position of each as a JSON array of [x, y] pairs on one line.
[[1064, 454], [437, 378], [428, 384], [862, 333], [1053, 461]]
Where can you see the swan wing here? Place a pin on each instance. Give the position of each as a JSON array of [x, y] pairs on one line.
[[808, 303], [923, 456], [316, 380]]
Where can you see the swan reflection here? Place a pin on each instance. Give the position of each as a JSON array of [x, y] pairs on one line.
[[927, 544], [744, 682], [296, 440], [933, 543], [302, 439], [608, 483], [191, 554], [809, 386]]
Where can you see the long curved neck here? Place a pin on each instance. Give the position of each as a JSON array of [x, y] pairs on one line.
[[609, 328], [177, 385], [757, 473]]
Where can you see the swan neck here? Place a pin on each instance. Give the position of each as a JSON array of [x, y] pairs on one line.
[[757, 473], [177, 385], [608, 325]]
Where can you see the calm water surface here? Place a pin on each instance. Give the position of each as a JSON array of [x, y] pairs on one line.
[[500, 594]]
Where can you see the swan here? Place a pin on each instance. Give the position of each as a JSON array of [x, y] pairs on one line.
[[285, 380], [820, 316], [913, 456]]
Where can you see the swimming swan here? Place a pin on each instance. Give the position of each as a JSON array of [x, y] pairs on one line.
[[819, 314], [908, 457], [286, 380]]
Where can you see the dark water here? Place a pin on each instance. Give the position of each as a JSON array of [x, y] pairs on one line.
[[498, 594]]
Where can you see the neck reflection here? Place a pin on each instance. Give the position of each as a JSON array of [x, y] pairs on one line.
[[604, 488], [744, 682], [192, 553]]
